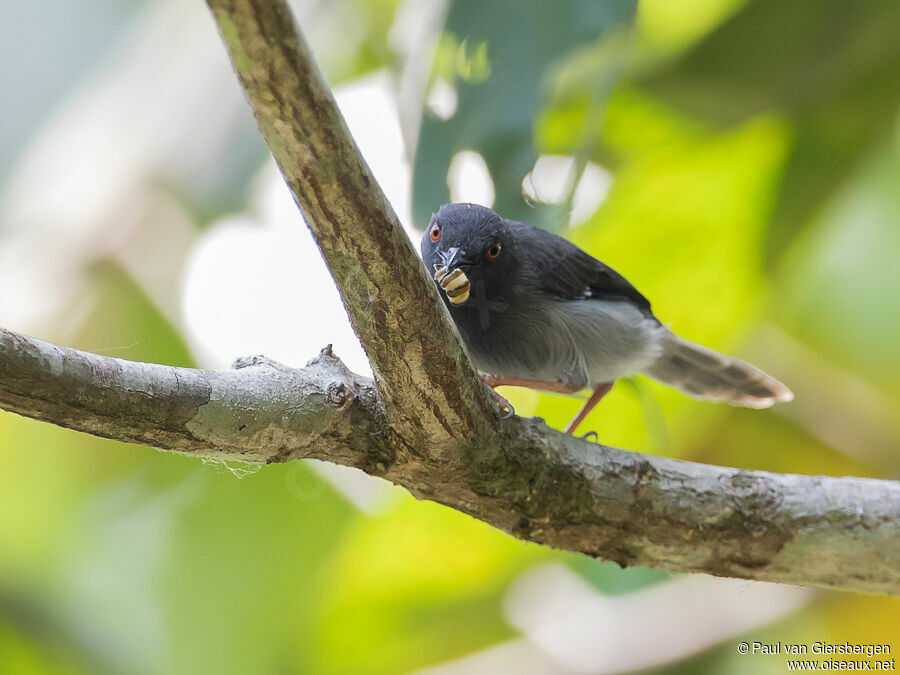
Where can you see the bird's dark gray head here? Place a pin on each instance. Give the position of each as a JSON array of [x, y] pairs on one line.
[[469, 249]]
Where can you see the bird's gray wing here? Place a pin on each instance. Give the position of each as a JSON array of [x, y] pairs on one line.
[[567, 272]]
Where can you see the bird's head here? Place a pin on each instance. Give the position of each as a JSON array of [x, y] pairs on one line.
[[469, 248]]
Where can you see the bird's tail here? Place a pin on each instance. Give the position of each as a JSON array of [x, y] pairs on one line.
[[704, 373]]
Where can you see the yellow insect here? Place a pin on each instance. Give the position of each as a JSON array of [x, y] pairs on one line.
[[456, 284]]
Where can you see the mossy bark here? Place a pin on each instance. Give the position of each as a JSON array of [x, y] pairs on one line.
[[532, 481]]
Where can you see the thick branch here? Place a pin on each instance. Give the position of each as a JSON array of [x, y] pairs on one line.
[[261, 411], [537, 484], [422, 372]]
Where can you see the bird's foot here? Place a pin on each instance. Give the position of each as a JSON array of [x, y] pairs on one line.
[[502, 403], [589, 435]]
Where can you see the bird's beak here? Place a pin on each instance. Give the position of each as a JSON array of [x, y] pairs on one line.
[[451, 257], [450, 277]]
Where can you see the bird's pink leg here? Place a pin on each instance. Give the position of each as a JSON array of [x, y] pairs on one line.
[[601, 391], [503, 381]]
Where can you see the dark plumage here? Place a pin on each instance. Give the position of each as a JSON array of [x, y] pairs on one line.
[[539, 310]]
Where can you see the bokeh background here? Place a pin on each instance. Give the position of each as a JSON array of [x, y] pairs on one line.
[[739, 161]]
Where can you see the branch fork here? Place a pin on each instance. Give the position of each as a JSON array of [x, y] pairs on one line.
[[426, 421]]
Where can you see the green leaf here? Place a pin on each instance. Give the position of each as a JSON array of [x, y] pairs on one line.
[[841, 282], [403, 582], [830, 66], [505, 54]]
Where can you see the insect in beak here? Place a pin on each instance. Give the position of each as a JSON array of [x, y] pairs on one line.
[[455, 284]]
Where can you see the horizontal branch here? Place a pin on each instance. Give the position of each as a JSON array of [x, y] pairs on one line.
[[260, 411], [535, 483]]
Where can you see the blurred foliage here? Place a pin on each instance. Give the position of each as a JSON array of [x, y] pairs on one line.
[[397, 587], [841, 280], [501, 57], [83, 32], [832, 67], [755, 159]]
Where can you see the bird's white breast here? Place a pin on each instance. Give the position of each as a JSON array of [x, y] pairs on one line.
[[580, 342]]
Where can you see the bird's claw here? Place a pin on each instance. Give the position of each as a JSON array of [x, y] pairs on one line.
[[591, 434], [502, 403]]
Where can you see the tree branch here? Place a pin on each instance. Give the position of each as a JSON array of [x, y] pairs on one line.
[[421, 370], [260, 411], [535, 483], [426, 422]]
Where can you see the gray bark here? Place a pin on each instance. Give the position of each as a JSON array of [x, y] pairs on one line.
[[425, 421], [533, 482]]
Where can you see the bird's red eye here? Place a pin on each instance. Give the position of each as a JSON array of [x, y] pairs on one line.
[[435, 233], [493, 252]]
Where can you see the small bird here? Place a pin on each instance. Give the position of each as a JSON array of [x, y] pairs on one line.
[[536, 311]]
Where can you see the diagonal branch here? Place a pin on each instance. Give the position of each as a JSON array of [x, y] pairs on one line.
[[536, 483], [420, 368]]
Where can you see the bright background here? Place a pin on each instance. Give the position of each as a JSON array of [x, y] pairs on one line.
[[738, 161]]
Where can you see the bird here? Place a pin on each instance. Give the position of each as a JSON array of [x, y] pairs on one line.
[[536, 311]]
